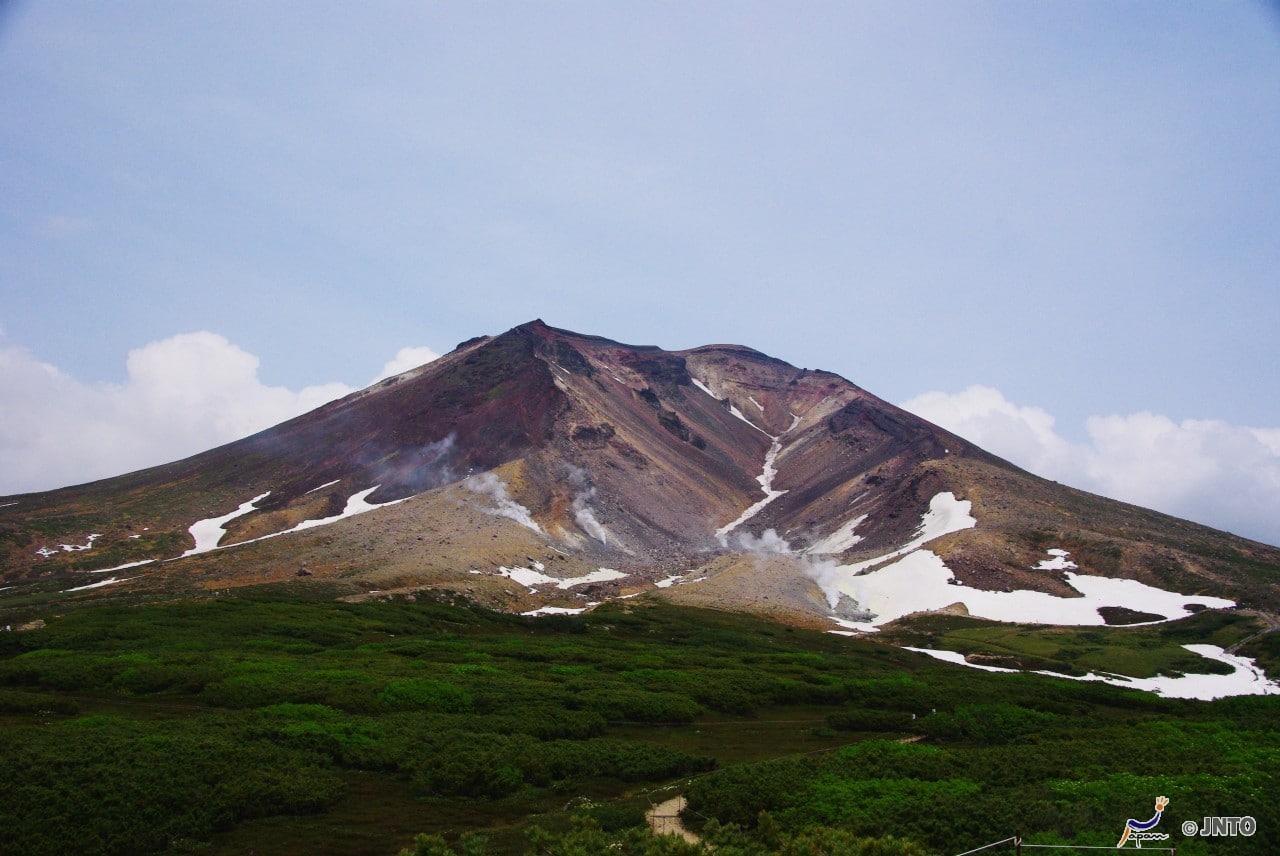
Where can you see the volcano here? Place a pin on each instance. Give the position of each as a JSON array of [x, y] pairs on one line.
[[542, 470]]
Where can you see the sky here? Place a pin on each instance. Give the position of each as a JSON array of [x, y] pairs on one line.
[[1053, 227]]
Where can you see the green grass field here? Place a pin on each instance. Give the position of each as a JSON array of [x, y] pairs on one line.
[[270, 724]]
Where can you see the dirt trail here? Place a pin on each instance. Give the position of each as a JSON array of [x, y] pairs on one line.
[[664, 819], [1272, 625]]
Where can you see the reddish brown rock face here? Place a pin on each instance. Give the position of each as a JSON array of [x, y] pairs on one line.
[[623, 457]]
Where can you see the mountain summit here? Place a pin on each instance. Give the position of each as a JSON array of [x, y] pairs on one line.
[[547, 469]]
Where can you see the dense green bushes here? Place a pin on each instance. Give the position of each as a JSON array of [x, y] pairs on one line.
[[105, 784], [170, 723], [588, 837], [1059, 785]]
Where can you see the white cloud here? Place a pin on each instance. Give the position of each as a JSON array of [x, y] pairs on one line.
[[405, 359], [1210, 471], [182, 395]]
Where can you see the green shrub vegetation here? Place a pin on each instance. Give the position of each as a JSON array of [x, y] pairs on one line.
[[198, 726]]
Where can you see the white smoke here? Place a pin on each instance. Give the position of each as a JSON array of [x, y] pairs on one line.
[[824, 572], [494, 488], [586, 518], [582, 513], [767, 543]]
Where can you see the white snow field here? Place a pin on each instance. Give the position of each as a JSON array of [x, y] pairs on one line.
[[678, 580], [530, 578], [555, 610], [357, 503], [122, 567], [1059, 562], [840, 540], [920, 581], [207, 533], [88, 545], [1247, 679], [767, 474], [702, 386], [732, 409], [766, 484], [946, 514], [46, 552], [106, 582]]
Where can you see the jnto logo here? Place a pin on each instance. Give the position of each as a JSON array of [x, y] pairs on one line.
[[1139, 831]]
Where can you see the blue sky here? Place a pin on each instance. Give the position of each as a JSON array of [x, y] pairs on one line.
[[1053, 225]]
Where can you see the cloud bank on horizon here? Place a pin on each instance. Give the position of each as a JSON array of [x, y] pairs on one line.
[[182, 395], [1093, 188], [1206, 470], [195, 391]]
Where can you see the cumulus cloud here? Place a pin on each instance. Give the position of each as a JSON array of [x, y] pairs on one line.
[[181, 396], [405, 359], [1210, 471]]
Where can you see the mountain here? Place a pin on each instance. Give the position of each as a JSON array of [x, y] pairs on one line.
[[546, 468]]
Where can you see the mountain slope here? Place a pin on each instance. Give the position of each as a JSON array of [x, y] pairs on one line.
[[519, 461]]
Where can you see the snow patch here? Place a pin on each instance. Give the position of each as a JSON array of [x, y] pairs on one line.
[[357, 503], [1059, 562], [555, 610], [955, 657], [122, 567], [921, 582], [852, 626], [767, 474], [702, 386], [732, 408], [207, 533], [323, 486], [738, 413], [529, 578], [1246, 679], [946, 514], [758, 405], [679, 580], [88, 545], [107, 582], [840, 540]]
